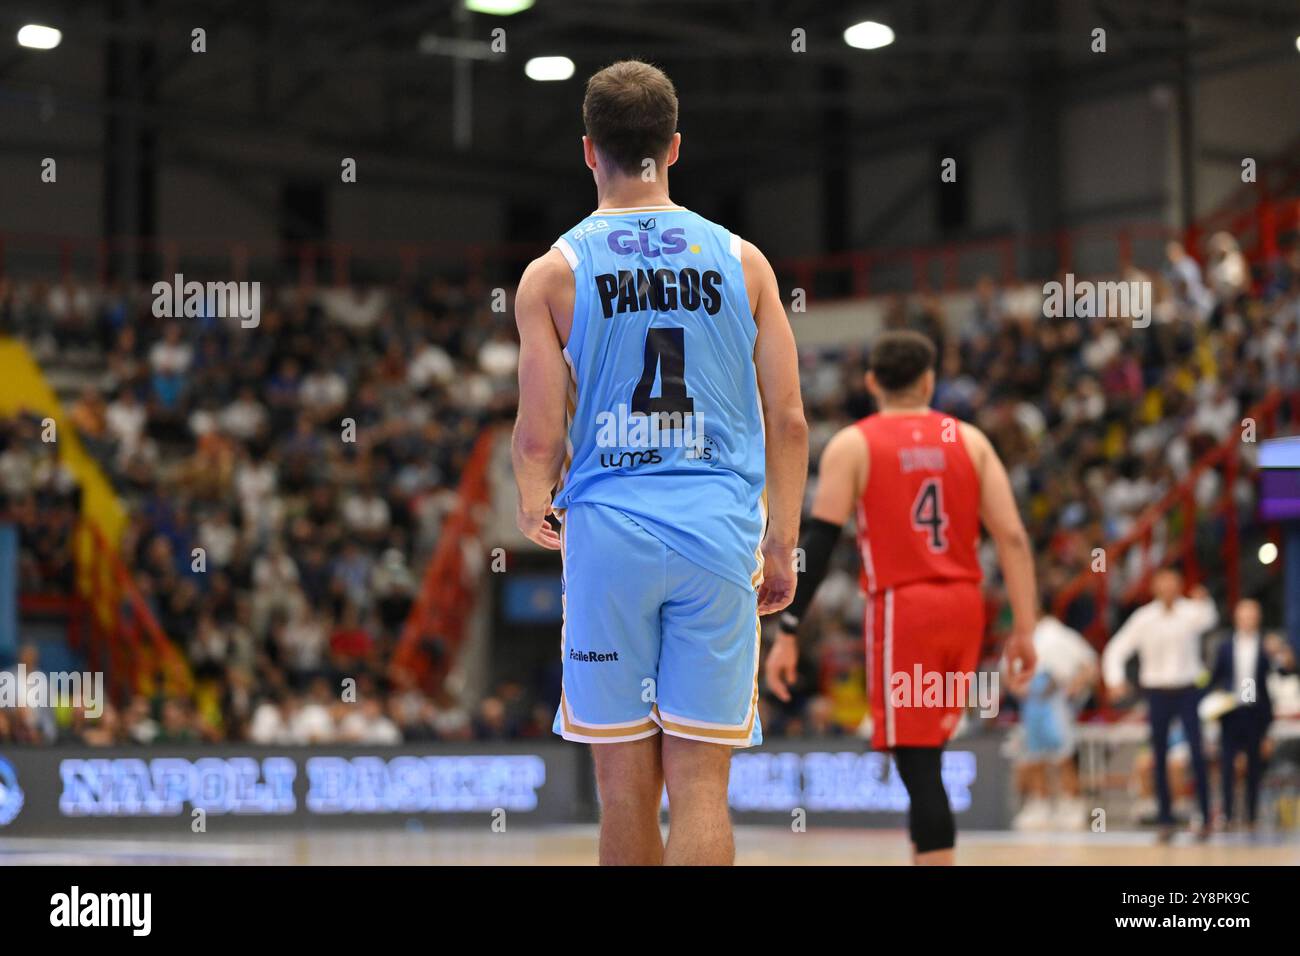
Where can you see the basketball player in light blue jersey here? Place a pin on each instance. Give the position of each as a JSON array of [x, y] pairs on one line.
[[660, 422]]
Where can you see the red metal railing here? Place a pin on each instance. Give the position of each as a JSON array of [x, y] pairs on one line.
[[446, 597], [1179, 546], [947, 267], [309, 263], [857, 273], [124, 638]]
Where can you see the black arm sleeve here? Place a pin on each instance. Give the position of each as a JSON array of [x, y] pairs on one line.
[[817, 541]]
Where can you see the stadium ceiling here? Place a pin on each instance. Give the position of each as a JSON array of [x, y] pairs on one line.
[[418, 81]]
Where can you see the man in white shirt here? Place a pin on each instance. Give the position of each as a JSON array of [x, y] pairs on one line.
[[1166, 636]]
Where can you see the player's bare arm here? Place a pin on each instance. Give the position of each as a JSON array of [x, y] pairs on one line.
[[537, 447], [1001, 518], [841, 477], [777, 362]]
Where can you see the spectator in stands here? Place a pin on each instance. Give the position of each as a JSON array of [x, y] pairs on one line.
[[126, 419], [366, 723], [275, 584], [491, 722], [71, 306], [312, 721], [177, 726], [104, 731], [1184, 274], [1227, 271], [302, 644], [245, 418], [350, 574], [366, 514], [90, 418], [29, 721], [1094, 419], [351, 643], [271, 720], [169, 362], [393, 586], [218, 538], [209, 649], [237, 703]]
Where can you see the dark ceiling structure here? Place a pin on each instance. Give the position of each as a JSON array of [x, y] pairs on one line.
[[766, 85]]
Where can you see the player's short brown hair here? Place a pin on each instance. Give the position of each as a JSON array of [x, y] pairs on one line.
[[630, 112], [900, 358]]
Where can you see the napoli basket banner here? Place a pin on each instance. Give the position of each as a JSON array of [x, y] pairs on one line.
[[66, 790], [157, 789]]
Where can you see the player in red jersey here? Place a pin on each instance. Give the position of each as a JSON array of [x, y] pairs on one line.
[[920, 483]]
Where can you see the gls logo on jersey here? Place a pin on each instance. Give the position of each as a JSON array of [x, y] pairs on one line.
[[625, 242]]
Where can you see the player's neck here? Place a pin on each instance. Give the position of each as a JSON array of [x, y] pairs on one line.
[[627, 192], [905, 408]]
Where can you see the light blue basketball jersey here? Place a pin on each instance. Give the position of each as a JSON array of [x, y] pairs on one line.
[[665, 420]]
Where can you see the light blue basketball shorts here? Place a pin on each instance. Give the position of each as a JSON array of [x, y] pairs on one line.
[[652, 641]]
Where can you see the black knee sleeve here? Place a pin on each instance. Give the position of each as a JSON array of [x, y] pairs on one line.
[[929, 818]]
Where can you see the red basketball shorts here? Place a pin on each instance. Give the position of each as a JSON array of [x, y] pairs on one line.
[[923, 645]]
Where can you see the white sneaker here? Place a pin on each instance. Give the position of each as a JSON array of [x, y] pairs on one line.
[[1036, 814], [1071, 814]]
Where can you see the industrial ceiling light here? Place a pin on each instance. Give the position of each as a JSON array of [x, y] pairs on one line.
[[498, 8], [868, 35], [36, 37], [549, 68]]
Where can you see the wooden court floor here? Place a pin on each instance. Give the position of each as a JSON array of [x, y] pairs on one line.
[[576, 845]]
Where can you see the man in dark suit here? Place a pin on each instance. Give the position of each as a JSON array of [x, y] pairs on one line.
[[1241, 667]]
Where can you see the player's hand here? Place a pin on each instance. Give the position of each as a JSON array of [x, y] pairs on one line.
[[1118, 691], [1199, 593], [1020, 654], [1018, 683], [782, 665], [536, 528], [777, 589]]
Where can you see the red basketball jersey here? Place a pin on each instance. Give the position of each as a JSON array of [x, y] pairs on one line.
[[918, 517]]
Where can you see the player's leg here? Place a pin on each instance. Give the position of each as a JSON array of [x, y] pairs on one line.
[[1035, 779], [1040, 741], [1072, 812], [697, 774], [1031, 781], [630, 780], [1253, 744], [613, 586], [1227, 768], [895, 729], [938, 628], [1160, 715], [930, 822], [707, 705], [1068, 771], [1190, 718]]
